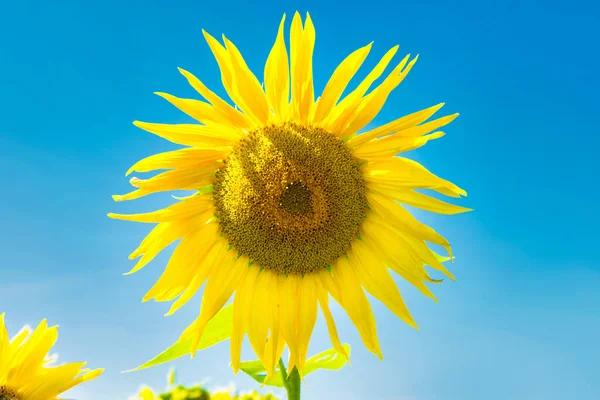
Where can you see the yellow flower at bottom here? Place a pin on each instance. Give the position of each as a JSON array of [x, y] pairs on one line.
[[24, 370], [293, 205]]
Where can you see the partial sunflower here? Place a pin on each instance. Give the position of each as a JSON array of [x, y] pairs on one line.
[[25, 373], [291, 204]]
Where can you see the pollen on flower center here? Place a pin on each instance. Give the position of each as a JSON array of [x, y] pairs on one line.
[[291, 198], [7, 394]]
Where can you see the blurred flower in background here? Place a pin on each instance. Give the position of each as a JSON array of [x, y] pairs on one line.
[[180, 392], [26, 365]]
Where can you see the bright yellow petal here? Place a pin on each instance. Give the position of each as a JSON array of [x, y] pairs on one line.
[[374, 101], [403, 123], [157, 240], [338, 83], [181, 266], [221, 284], [350, 103], [192, 207], [375, 278], [186, 179], [427, 255], [183, 158], [201, 136], [395, 215], [402, 141], [302, 43], [247, 86], [307, 316], [424, 202], [4, 348], [290, 287], [238, 81], [211, 260], [352, 298], [54, 380], [276, 343], [242, 307], [199, 110], [260, 317], [397, 174], [323, 296], [233, 116], [397, 255], [277, 76], [31, 355]]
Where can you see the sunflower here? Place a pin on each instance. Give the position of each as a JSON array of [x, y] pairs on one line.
[[24, 370], [291, 204]]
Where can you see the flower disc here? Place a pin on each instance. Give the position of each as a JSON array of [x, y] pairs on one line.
[[290, 198]]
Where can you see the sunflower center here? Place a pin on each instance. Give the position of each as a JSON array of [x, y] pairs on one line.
[[296, 199], [291, 198], [7, 394]]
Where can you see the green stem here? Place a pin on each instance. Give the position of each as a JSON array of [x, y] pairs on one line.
[[291, 381]]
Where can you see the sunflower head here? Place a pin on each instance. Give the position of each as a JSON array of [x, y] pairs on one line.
[[292, 198], [24, 370], [292, 205]]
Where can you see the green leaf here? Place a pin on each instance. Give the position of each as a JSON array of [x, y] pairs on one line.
[[328, 359], [257, 372], [217, 329]]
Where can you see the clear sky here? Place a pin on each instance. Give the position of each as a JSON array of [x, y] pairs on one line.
[[521, 322]]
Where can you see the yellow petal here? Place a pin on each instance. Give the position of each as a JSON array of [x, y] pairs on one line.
[[323, 296], [289, 312], [396, 216], [352, 298], [211, 260], [179, 271], [31, 355], [241, 313], [428, 203], [375, 278], [224, 62], [418, 246], [239, 81], [221, 285], [157, 240], [192, 207], [401, 141], [397, 255], [398, 174], [374, 101], [307, 316], [275, 343], [349, 104], [302, 43], [408, 121], [277, 76], [199, 110], [201, 136], [248, 88], [260, 319], [228, 113], [182, 158], [338, 82], [186, 179], [4, 347], [427, 255]]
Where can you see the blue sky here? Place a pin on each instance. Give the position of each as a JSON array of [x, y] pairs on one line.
[[521, 322]]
